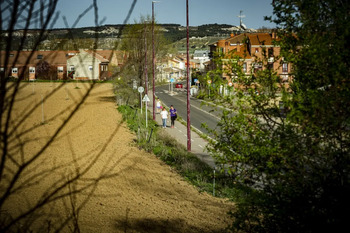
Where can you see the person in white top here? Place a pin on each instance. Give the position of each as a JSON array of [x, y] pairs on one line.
[[164, 115]]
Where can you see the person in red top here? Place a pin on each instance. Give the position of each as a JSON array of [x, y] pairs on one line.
[[173, 115]]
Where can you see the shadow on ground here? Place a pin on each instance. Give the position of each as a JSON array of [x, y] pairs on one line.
[[160, 226], [107, 98]]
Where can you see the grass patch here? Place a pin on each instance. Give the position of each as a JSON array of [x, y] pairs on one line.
[[165, 147]]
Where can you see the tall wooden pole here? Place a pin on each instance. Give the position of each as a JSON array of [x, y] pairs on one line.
[[153, 63], [188, 85], [146, 73]]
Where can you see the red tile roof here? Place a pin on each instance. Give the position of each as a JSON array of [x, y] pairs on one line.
[[58, 57], [34, 57], [260, 39]]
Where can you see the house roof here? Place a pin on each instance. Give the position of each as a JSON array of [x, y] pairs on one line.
[[34, 57], [58, 57], [97, 56], [260, 39], [201, 53], [255, 38], [238, 39]]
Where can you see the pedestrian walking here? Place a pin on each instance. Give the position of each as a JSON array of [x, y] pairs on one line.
[[173, 115], [158, 105], [164, 116]]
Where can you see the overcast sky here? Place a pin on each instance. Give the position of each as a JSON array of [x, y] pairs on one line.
[[167, 11]]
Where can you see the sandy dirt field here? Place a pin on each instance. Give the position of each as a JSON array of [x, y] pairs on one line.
[[113, 186]]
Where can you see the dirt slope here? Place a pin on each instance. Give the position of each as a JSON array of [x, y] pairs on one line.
[[123, 189]]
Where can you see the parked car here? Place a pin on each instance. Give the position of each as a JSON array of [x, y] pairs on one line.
[[179, 85]]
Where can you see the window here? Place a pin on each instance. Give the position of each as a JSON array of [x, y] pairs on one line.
[[90, 68], [15, 70], [60, 69], [104, 67], [40, 56], [71, 68], [32, 70], [2, 69], [257, 67], [285, 67], [244, 67], [270, 52]]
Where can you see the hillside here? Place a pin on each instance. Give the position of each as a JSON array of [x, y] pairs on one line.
[[108, 35]]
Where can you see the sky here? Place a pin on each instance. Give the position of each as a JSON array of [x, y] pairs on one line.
[[166, 11]]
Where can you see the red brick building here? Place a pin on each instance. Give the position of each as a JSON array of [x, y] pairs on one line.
[[254, 49]]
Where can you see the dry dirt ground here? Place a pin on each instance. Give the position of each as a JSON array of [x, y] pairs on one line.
[[91, 173]]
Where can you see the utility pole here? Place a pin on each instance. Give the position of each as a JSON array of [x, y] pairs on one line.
[[146, 75], [153, 64], [188, 85]]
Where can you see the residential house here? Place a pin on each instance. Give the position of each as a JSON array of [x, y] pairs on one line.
[[87, 65], [252, 48], [23, 64], [175, 68], [200, 58], [63, 64]]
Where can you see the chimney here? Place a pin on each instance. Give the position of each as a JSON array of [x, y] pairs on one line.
[[274, 34]]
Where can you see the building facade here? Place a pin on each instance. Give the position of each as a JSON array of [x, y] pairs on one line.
[[61, 65], [256, 51]]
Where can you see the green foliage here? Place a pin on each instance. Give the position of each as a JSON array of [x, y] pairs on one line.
[[227, 66], [294, 168], [175, 155], [137, 41], [124, 92]]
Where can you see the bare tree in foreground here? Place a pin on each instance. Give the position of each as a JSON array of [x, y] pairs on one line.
[[37, 191]]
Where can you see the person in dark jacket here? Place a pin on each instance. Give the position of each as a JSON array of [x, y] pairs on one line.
[[173, 115]]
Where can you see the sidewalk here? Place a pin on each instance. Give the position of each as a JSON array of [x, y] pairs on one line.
[[179, 132]]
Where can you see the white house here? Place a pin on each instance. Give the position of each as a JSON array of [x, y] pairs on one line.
[[200, 57], [87, 65]]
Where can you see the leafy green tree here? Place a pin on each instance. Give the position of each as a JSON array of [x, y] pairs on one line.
[[227, 67], [136, 42], [293, 165]]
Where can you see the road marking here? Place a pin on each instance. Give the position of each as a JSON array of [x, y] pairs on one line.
[[193, 106], [200, 146]]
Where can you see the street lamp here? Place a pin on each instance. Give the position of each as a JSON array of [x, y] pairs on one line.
[[153, 61]]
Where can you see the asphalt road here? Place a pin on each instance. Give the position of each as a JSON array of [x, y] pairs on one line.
[[199, 112]]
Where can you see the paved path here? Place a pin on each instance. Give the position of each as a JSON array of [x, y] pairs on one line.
[[179, 132]]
